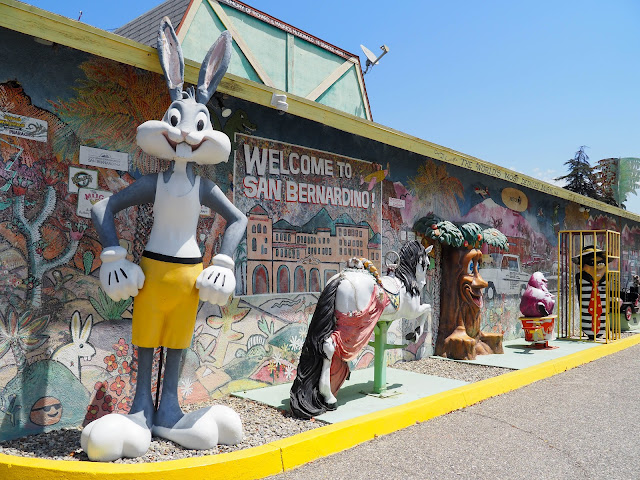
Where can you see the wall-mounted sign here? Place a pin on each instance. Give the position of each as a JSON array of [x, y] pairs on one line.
[[97, 157], [23, 127], [396, 202], [514, 199], [309, 211], [82, 178], [87, 197]]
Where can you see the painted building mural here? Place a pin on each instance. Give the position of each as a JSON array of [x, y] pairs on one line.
[[67, 138], [309, 212]]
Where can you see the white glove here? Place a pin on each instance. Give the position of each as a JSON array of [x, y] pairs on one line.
[[217, 282], [119, 277]]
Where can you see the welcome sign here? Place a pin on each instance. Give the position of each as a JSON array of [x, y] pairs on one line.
[[309, 211]]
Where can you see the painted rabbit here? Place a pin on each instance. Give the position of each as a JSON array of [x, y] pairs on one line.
[[170, 277], [79, 349]]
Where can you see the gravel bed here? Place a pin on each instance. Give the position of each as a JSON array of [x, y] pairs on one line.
[[262, 424], [442, 367]]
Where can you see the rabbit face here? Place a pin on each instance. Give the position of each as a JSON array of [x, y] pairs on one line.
[[184, 134]]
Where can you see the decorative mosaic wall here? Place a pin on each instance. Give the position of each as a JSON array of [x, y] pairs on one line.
[[67, 138]]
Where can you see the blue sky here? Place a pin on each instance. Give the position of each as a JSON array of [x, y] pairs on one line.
[[521, 84]]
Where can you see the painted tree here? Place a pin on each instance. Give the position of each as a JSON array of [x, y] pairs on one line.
[[606, 172], [20, 334], [436, 190], [462, 286], [241, 263], [110, 102], [33, 174], [628, 179]]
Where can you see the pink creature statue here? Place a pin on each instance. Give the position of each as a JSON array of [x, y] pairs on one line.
[[537, 301]]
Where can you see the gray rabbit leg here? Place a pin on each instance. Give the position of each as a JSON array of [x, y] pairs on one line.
[[169, 412], [142, 401], [199, 430]]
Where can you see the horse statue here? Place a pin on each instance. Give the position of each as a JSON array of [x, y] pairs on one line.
[[347, 312]]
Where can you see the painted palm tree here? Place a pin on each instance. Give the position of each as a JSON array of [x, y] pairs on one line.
[[628, 179], [436, 191], [241, 264], [21, 333]]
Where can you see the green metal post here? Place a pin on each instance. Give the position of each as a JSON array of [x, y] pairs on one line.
[[379, 363], [380, 347]]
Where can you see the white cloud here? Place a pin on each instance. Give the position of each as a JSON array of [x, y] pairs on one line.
[[546, 175]]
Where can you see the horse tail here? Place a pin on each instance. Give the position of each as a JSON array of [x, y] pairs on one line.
[[306, 400]]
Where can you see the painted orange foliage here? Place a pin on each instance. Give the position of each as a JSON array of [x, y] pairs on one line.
[[109, 105], [437, 190]]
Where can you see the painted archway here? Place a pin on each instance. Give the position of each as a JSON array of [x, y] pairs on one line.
[[260, 280], [283, 280], [299, 280]]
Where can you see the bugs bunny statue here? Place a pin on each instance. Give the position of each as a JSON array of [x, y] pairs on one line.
[[170, 277]]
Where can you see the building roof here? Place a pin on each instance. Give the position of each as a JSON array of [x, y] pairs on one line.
[[144, 29], [344, 219], [376, 240], [257, 210], [264, 49], [282, 224]]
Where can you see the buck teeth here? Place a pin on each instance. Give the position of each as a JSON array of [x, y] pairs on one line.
[[183, 150]]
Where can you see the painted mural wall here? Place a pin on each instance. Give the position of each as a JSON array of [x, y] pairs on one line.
[[67, 138]]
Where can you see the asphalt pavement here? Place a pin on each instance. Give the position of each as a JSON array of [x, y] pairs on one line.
[[581, 424]]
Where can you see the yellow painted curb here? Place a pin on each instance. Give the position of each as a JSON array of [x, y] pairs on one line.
[[246, 464], [289, 453]]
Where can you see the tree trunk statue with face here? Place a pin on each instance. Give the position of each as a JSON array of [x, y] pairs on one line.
[[462, 287], [170, 278]]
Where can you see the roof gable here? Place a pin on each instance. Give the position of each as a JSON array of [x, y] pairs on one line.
[[144, 29], [266, 50]]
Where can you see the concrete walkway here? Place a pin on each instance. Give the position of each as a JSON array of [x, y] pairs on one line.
[[581, 424], [405, 386]]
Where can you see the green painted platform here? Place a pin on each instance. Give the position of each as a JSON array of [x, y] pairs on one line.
[[352, 402], [518, 354]]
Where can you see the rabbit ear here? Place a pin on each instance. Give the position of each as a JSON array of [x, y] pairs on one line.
[[214, 66], [86, 329], [75, 326], [171, 59]]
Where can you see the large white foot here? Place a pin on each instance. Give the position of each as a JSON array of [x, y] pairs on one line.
[[116, 436], [204, 428]]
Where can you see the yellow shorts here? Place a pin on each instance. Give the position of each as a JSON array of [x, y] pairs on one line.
[[164, 311]]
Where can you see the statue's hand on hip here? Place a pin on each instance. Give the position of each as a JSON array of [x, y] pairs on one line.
[[217, 282], [119, 277]]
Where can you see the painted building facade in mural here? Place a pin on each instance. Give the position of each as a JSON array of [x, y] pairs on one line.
[[308, 212], [66, 356]]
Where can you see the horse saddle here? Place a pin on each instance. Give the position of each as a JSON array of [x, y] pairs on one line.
[[391, 286]]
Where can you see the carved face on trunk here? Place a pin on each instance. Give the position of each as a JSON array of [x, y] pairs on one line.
[[470, 284]]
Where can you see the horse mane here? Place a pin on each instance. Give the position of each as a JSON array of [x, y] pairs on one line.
[[410, 254]]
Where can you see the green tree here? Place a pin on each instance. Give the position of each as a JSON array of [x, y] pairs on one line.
[[580, 178]]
